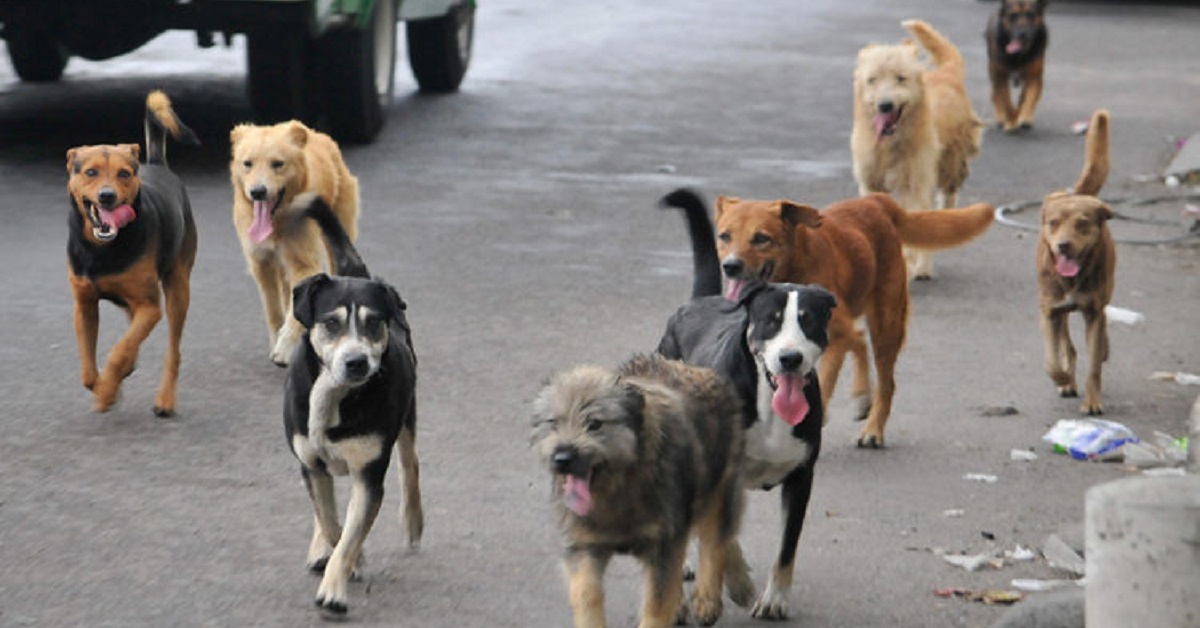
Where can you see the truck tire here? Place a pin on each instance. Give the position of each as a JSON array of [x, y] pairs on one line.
[[36, 55], [439, 49], [358, 74], [279, 84]]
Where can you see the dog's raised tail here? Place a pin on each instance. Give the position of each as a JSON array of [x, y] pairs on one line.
[[160, 121], [935, 229], [706, 268], [944, 53], [346, 259], [1095, 160]]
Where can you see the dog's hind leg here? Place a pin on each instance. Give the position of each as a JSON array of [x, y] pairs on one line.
[[841, 333], [411, 513], [662, 574], [585, 580], [366, 495], [887, 326], [177, 293], [860, 390]]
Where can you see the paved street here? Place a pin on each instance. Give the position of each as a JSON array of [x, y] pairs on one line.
[[518, 220]]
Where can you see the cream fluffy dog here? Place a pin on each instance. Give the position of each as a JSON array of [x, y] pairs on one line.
[[914, 127], [270, 167]]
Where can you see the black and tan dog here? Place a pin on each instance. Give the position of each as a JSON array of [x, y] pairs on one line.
[[642, 457], [767, 342], [1016, 39], [348, 398], [1076, 265], [131, 231]]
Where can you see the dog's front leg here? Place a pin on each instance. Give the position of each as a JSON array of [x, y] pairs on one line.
[[1031, 92], [1005, 113], [87, 325], [1059, 355], [662, 574], [585, 581], [327, 532], [366, 495], [144, 314], [795, 493], [1097, 340]]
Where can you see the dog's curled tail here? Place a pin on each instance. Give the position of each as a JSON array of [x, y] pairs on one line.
[[944, 53], [346, 259], [1095, 160], [706, 268], [935, 229], [161, 120]]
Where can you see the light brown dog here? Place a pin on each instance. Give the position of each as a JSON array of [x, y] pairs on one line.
[[853, 249], [914, 128], [1076, 264], [270, 167], [132, 242]]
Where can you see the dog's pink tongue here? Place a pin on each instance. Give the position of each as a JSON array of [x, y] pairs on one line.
[[118, 217], [577, 495], [261, 228], [1014, 47], [884, 121], [1066, 266], [734, 289], [789, 402]]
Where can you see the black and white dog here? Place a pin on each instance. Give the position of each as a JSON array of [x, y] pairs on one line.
[[348, 398], [767, 343]]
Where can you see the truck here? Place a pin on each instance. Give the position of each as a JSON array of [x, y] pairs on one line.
[[329, 63]]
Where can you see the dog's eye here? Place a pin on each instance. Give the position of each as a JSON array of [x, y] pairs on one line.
[[871, 81], [593, 425], [332, 325], [725, 237], [1054, 222], [900, 78], [760, 238], [277, 164], [124, 174], [247, 164], [91, 172]]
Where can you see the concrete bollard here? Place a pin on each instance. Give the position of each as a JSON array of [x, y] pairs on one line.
[[1143, 553]]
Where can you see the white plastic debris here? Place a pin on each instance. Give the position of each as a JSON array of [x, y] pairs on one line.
[[972, 562], [954, 513], [1021, 554], [1023, 455], [1033, 585], [1080, 127], [981, 477], [1124, 316], [1089, 439]]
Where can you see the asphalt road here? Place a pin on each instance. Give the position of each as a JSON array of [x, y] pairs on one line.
[[518, 220]]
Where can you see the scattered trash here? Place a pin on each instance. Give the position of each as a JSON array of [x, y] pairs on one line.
[[1033, 585], [972, 562], [1080, 127], [1162, 472], [1021, 554], [1165, 451], [990, 597], [998, 411], [1172, 181], [1191, 210], [991, 536], [1179, 377], [954, 513], [1059, 555], [1146, 178], [1124, 316], [1089, 439], [1024, 455], [981, 477], [666, 169]]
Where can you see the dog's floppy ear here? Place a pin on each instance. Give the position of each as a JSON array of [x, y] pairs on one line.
[[303, 298], [71, 158], [237, 132], [1102, 212], [799, 214], [298, 134], [751, 290]]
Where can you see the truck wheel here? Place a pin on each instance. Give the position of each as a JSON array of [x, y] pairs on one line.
[[357, 74], [439, 49], [36, 55], [278, 82]]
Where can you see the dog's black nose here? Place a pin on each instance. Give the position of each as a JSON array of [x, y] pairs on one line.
[[886, 106], [107, 196], [732, 267], [258, 193], [1064, 248], [357, 366], [563, 459], [791, 360]]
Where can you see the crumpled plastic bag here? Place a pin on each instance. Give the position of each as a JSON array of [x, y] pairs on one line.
[[1090, 439]]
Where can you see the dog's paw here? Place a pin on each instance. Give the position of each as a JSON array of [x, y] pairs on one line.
[[771, 606], [163, 412], [1068, 392], [867, 440], [740, 587], [331, 596], [1092, 408], [707, 609]]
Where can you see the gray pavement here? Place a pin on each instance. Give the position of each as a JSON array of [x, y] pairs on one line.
[[517, 219]]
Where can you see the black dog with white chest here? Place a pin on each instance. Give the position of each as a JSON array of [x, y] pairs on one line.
[[767, 343], [348, 398]]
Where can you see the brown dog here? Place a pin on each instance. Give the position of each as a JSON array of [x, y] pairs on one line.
[[1076, 264], [854, 249], [270, 167], [1016, 39], [914, 128], [131, 230]]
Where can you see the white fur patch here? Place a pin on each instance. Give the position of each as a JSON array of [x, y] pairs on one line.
[[790, 339], [771, 450]]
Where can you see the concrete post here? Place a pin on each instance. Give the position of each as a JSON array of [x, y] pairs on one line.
[[1143, 553]]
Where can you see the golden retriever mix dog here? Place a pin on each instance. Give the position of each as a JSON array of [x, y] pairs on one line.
[[270, 167], [914, 128], [853, 249], [1076, 262]]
